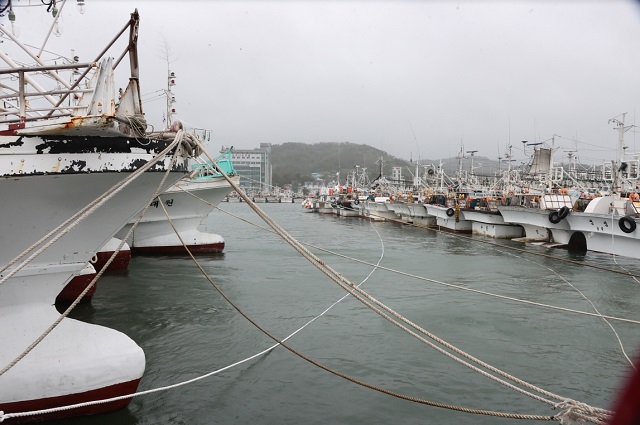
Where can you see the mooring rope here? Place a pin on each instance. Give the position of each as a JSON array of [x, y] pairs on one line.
[[182, 383], [81, 215], [363, 296], [46, 332], [349, 378], [281, 342], [598, 314], [571, 408]]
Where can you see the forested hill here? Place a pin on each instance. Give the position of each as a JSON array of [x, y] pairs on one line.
[[295, 162]]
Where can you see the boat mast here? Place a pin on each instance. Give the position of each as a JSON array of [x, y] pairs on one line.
[[171, 81], [549, 175], [618, 167], [508, 179], [460, 158]]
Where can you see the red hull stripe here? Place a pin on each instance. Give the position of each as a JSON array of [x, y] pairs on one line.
[[179, 249], [75, 288], [78, 283], [65, 400], [121, 262]]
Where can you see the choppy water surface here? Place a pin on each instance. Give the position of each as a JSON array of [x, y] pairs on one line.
[[186, 329]]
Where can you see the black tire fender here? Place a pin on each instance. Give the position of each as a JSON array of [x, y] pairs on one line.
[[450, 212], [563, 212], [554, 217], [627, 224]]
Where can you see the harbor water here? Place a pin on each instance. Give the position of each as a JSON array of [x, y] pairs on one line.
[[187, 329]]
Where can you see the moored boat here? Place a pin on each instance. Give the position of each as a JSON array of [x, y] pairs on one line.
[[309, 205], [609, 223], [187, 203], [56, 158], [542, 220], [378, 209], [449, 217]]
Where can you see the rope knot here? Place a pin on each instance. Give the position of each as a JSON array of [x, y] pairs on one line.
[[2, 416], [577, 413]]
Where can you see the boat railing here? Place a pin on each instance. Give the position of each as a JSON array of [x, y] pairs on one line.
[[208, 169], [17, 103], [41, 92]]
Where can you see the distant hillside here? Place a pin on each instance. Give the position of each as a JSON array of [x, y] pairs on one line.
[[294, 163]]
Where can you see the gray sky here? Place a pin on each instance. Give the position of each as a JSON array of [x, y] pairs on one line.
[[481, 73]]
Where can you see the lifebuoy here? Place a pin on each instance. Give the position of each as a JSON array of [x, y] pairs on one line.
[[563, 212], [627, 224], [554, 217], [450, 212]]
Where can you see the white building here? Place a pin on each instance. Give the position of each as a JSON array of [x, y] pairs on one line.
[[254, 168]]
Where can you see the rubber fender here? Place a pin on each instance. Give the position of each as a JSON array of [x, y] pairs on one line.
[[627, 224]]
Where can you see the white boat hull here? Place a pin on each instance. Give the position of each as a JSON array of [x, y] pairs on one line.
[[536, 224], [51, 179], [187, 203], [449, 222], [492, 224], [380, 211], [603, 234], [346, 212], [78, 359], [77, 362]]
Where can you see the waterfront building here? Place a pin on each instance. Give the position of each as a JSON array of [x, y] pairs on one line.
[[254, 167]]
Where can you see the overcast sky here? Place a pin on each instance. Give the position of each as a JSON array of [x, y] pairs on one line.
[[413, 78]]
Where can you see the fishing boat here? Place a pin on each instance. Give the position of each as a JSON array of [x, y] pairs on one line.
[[400, 207], [542, 219], [324, 200], [176, 216], [309, 205], [609, 223], [348, 205], [419, 215], [377, 209], [449, 217], [487, 221], [77, 164], [541, 212]]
